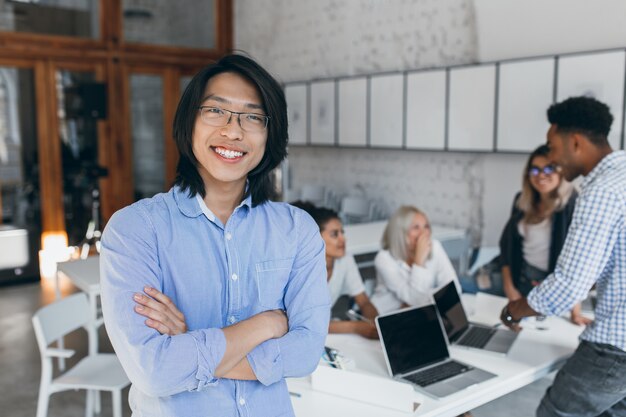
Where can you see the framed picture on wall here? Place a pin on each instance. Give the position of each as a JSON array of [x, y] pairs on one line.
[[387, 111], [323, 113], [297, 113], [525, 93], [352, 111], [426, 110], [472, 108]]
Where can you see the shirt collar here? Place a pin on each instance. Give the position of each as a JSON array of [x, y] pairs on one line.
[[195, 206], [608, 163]]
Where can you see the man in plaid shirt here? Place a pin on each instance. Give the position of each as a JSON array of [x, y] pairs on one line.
[[593, 381]]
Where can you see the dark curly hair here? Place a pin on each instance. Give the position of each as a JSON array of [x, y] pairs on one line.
[[321, 215], [584, 115], [260, 185]]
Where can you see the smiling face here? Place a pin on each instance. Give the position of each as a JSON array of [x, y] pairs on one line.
[[543, 183], [227, 154], [333, 236], [419, 225]]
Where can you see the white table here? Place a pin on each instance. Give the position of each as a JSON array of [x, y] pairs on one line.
[[535, 354], [85, 274]]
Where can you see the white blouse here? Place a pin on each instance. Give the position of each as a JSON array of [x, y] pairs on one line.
[[536, 242], [399, 283], [345, 279]]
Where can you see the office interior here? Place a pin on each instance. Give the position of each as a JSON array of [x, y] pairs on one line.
[[88, 90]]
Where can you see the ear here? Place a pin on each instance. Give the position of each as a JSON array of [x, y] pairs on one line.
[[577, 142]]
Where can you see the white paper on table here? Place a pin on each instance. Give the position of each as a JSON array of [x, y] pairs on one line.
[[487, 309]]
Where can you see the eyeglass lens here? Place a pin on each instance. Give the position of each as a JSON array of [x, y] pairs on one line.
[[547, 170], [218, 117]]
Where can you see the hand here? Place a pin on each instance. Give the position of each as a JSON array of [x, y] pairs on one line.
[[509, 320], [579, 319], [277, 322], [163, 315], [365, 329], [423, 246]]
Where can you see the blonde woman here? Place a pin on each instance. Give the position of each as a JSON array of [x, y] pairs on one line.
[[534, 235], [411, 263]]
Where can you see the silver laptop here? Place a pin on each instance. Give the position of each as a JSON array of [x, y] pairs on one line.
[[461, 332], [416, 351]]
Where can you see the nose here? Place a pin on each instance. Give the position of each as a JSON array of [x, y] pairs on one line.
[[232, 130]]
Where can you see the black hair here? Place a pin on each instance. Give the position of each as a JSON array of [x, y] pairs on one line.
[[321, 215], [584, 115], [260, 184]]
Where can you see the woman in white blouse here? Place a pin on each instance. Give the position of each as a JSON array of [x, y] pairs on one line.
[[411, 264], [342, 272]]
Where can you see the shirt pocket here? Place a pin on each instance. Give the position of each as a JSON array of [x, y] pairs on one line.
[[272, 278]]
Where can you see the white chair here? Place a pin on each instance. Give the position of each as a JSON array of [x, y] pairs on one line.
[[354, 210], [99, 372], [315, 194]]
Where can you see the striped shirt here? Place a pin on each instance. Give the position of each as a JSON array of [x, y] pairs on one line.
[[594, 253]]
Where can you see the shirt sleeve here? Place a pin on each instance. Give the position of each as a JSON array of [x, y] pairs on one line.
[[158, 365], [307, 304], [353, 283], [586, 253]]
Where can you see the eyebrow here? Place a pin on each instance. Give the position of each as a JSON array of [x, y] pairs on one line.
[[223, 100]]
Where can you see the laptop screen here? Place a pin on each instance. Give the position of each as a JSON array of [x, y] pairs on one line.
[[412, 339], [451, 311]]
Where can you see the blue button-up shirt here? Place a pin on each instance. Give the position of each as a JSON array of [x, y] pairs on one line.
[[266, 257], [594, 252]]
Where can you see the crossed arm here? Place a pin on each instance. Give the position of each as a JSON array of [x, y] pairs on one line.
[[163, 316]]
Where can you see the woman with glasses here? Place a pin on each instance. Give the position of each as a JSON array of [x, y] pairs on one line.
[[411, 264], [534, 234], [342, 273]]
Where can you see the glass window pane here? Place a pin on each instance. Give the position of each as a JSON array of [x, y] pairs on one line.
[[146, 103], [19, 175], [185, 23], [78, 96], [184, 82], [75, 18]]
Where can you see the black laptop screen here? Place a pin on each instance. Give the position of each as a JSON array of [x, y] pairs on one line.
[[451, 310], [412, 339]]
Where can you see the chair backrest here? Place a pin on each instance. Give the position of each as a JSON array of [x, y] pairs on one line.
[[355, 209], [458, 250], [315, 194], [60, 318]]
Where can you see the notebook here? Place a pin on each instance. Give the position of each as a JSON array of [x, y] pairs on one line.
[[461, 332], [415, 350]]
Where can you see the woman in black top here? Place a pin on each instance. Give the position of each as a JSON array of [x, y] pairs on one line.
[[534, 235]]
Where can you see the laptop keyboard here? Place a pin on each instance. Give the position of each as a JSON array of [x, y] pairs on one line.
[[437, 373], [476, 337]]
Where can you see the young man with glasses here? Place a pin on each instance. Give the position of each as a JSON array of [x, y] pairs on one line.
[[593, 381], [236, 284]]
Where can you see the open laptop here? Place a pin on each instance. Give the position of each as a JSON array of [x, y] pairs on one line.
[[416, 351], [463, 333]]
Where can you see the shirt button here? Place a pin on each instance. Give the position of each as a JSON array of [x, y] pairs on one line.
[[232, 319], [234, 277], [242, 401], [229, 236]]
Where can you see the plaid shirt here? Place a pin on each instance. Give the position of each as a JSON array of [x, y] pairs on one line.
[[594, 253]]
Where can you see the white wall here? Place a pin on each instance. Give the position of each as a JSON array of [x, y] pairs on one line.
[[302, 40], [513, 28]]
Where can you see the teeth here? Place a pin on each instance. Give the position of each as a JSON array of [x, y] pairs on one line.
[[228, 153]]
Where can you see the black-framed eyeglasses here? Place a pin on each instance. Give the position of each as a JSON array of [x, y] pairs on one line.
[[534, 171], [218, 117]]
